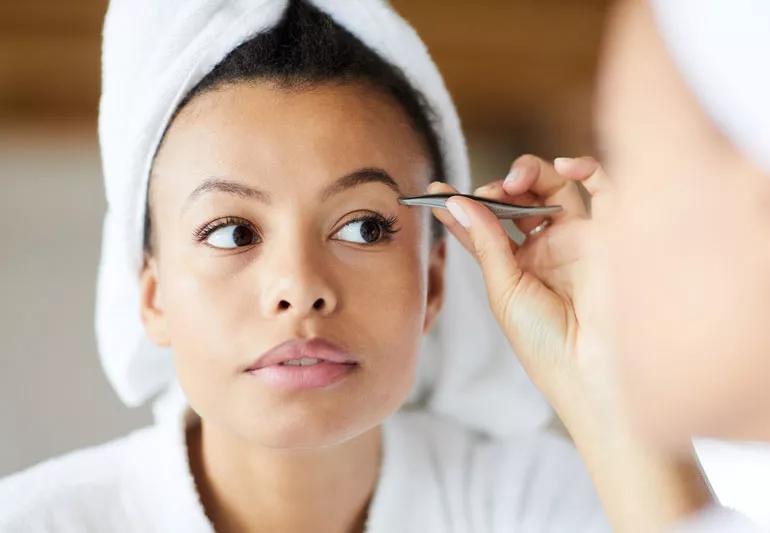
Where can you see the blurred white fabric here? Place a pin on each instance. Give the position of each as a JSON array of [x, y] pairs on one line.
[[740, 475], [722, 49]]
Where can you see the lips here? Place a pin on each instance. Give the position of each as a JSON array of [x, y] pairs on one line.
[[297, 350], [303, 364]]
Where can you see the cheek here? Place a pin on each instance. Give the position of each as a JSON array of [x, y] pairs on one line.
[[384, 298], [205, 309], [206, 298]]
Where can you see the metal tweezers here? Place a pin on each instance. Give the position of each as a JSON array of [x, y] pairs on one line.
[[500, 209]]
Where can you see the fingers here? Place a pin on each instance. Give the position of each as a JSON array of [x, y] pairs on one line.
[[491, 246], [552, 254], [587, 170], [576, 168], [494, 191], [533, 181], [530, 174], [446, 218]]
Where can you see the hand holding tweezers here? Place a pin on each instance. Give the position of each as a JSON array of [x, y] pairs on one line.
[[500, 209]]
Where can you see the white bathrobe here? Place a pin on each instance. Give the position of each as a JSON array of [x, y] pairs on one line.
[[718, 520], [436, 476]]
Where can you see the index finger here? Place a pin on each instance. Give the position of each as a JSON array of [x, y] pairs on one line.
[[539, 177], [529, 173]]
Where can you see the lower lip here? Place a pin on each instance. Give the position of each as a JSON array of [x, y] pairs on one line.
[[292, 377]]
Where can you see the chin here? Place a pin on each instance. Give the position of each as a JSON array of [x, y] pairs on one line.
[[308, 429]]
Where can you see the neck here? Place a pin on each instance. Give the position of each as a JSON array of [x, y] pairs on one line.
[[247, 487]]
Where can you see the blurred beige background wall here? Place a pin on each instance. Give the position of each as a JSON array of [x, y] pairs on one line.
[[521, 73]]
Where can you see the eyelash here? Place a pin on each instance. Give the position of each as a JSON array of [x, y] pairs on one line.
[[387, 224], [202, 233]]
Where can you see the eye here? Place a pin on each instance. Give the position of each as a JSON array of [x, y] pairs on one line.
[[366, 230], [230, 235]]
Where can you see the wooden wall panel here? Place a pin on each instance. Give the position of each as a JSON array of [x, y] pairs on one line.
[[519, 69], [49, 59]]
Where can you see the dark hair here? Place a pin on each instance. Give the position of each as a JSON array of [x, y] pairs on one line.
[[307, 47]]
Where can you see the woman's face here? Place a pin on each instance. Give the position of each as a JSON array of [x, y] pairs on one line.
[[275, 218], [689, 248]]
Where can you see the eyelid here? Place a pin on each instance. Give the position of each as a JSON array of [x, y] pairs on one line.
[[386, 222], [202, 232], [361, 214]]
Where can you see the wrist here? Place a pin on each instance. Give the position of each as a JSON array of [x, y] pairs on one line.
[[637, 483]]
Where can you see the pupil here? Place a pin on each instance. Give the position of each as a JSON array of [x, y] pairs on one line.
[[370, 231], [242, 236]]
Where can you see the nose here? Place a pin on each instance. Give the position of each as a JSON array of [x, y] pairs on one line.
[[298, 287]]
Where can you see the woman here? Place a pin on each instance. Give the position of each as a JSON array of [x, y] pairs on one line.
[[294, 291], [705, 274], [706, 62]]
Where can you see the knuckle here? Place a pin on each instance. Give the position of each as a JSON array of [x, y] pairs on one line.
[[508, 294], [527, 159], [482, 251], [528, 162]]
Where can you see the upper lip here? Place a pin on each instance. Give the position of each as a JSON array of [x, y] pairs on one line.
[[316, 348]]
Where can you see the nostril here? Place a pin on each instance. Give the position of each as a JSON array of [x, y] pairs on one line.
[[283, 305], [318, 304]]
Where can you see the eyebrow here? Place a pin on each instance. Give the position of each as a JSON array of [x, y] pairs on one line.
[[348, 181], [359, 177]]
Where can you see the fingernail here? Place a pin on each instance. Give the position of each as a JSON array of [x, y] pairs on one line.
[[512, 176], [460, 215], [562, 162]]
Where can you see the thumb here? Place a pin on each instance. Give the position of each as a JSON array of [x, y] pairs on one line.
[[492, 247]]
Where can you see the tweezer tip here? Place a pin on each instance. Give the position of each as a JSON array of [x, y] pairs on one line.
[[407, 201]]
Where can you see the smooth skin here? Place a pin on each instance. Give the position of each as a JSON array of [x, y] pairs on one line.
[[549, 296], [689, 255]]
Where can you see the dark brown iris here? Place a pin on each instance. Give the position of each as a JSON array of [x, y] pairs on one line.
[[370, 231], [243, 236]]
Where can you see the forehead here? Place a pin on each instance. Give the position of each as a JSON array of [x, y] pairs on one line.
[[274, 134]]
